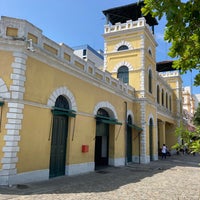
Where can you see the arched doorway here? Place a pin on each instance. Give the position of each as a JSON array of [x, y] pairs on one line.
[[129, 141], [101, 140], [59, 138], [151, 139]]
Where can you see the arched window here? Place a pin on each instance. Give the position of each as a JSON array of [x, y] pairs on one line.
[[162, 97], [123, 47], [150, 81], [150, 53], [61, 102], [166, 100], [102, 112], [123, 74], [170, 103], [158, 94]]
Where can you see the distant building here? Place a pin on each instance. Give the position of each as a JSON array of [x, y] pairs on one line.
[[197, 100], [188, 107], [188, 100], [90, 55]]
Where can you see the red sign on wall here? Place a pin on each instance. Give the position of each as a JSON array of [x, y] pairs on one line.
[[85, 148]]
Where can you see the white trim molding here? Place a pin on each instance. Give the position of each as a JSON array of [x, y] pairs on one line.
[[108, 107], [151, 117], [121, 44], [130, 112], [81, 168], [27, 177], [117, 162], [123, 63], [66, 93]]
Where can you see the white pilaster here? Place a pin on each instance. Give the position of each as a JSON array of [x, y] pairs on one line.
[[14, 119], [143, 142]]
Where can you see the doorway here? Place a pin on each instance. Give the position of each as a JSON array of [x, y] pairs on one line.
[[59, 139], [129, 141], [101, 141], [151, 139]]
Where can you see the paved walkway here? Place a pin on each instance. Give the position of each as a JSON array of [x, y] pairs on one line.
[[176, 178]]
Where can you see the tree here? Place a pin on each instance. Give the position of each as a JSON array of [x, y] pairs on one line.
[[182, 31], [197, 116], [190, 140]]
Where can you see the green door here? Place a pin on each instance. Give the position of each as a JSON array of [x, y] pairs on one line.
[[58, 146], [129, 141], [129, 144], [151, 139], [59, 139]]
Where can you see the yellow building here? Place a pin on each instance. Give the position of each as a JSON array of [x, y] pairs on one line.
[[61, 115]]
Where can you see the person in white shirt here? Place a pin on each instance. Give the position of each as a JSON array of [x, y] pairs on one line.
[[164, 151]]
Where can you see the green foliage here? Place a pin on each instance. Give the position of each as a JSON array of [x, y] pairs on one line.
[[182, 31], [197, 116], [177, 147], [189, 139], [196, 146]]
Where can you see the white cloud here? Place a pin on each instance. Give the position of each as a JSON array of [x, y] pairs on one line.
[[160, 36]]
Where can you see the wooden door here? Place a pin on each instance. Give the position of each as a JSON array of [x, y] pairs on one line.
[[58, 146], [129, 144]]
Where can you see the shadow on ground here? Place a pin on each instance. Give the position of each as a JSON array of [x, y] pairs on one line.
[[102, 180]]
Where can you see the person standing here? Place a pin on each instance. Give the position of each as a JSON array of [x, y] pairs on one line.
[[164, 151]]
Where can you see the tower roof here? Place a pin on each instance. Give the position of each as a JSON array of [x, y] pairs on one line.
[[128, 12], [164, 66]]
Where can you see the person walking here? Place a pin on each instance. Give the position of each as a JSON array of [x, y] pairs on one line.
[[164, 151]]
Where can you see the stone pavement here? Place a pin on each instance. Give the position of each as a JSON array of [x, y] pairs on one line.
[[176, 178]]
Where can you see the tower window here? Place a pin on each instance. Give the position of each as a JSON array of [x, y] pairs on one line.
[[150, 81], [123, 74], [158, 94], [166, 96], [170, 103], [123, 47], [150, 53], [162, 97], [84, 52]]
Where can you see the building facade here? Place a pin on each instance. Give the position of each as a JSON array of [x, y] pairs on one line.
[[188, 100], [197, 100], [190, 104], [62, 115]]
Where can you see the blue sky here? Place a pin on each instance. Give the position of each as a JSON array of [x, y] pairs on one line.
[[78, 22]]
